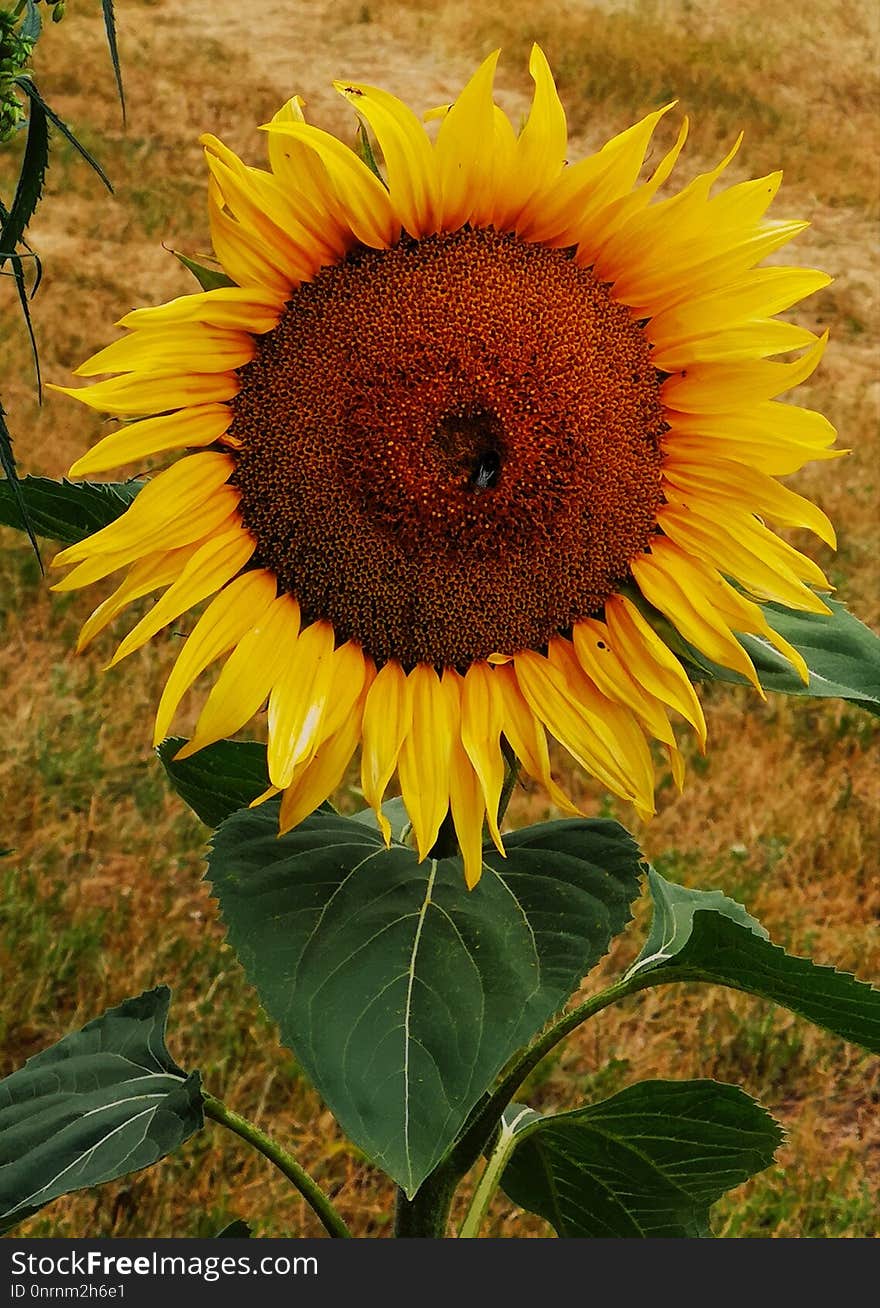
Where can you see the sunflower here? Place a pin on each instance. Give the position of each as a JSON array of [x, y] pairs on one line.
[[452, 432]]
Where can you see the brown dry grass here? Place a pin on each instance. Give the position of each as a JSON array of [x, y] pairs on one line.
[[104, 897]]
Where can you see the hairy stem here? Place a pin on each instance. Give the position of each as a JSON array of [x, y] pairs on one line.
[[426, 1215], [486, 1116], [488, 1183], [285, 1162]]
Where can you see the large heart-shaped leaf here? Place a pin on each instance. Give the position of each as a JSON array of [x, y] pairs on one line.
[[401, 993], [66, 511], [702, 935], [650, 1161], [104, 1101]]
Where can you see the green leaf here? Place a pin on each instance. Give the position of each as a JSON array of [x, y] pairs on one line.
[[110, 32], [704, 936], [32, 25], [29, 86], [648, 1162], [219, 779], [841, 653], [66, 511], [30, 182], [103, 1102], [237, 1230], [401, 993], [12, 487], [208, 278], [24, 299], [395, 812]]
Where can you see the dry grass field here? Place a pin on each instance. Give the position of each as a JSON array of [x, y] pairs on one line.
[[103, 894]]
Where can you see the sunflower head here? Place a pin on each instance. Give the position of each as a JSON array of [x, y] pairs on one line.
[[454, 435]]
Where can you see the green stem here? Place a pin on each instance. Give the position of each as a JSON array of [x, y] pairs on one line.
[[285, 1162], [488, 1183], [426, 1215], [486, 1117]]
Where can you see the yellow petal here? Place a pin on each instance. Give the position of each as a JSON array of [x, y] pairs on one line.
[[748, 552], [163, 348], [243, 256], [304, 177], [757, 294], [775, 437], [364, 200], [613, 726], [586, 724], [248, 308], [678, 226], [134, 394], [263, 212], [316, 780], [715, 388], [248, 675], [413, 185], [676, 763], [148, 574], [539, 150], [712, 483], [224, 622], [468, 806], [756, 339], [693, 601], [651, 663], [464, 152], [187, 428], [387, 719], [588, 187], [211, 567], [596, 652], [298, 701], [171, 496], [351, 673], [423, 764], [527, 738], [702, 267], [482, 717]]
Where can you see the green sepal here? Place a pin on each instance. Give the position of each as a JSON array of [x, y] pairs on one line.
[[210, 279]]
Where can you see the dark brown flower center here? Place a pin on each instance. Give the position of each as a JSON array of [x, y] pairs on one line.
[[450, 448]]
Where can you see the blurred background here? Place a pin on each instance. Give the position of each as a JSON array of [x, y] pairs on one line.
[[103, 896]]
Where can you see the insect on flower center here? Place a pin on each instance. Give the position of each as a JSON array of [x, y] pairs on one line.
[[450, 448]]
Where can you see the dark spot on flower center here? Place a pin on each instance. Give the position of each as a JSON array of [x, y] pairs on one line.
[[450, 448], [472, 439]]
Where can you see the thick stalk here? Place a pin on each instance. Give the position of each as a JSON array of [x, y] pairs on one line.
[[285, 1162], [426, 1215], [486, 1117]]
